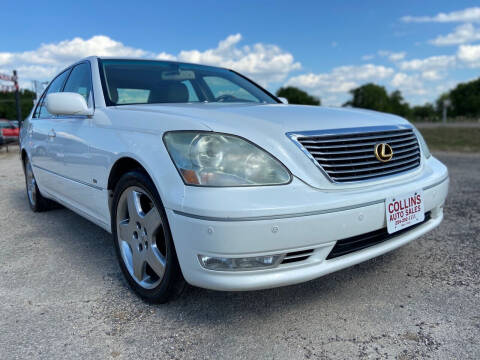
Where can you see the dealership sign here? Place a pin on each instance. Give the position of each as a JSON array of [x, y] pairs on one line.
[[8, 88], [7, 77], [404, 211]]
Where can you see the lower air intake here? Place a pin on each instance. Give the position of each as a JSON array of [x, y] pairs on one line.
[[360, 242]]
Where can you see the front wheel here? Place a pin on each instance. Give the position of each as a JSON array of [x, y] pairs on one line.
[[35, 199], [142, 239]]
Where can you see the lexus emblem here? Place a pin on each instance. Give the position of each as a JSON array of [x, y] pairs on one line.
[[383, 152]]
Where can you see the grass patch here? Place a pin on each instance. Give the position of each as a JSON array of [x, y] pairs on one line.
[[462, 139]]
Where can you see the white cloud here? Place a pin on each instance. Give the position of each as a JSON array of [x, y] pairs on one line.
[[408, 84], [392, 56], [397, 56], [399, 79], [264, 63], [415, 84], [5, 58], [44, 62], [432, 75], [419, 80], [165, 56], [470, 55], [431, 63], [67, 51], [333, 87], [466, 15], [462, 34]]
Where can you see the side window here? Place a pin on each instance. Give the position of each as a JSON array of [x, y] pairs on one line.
[[80, 82], [55, 86], [36, 114], [221, 87], [132, 96], [192, 95]]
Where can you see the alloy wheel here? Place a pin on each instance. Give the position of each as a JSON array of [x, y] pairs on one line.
[[140, 236], [31, 184]]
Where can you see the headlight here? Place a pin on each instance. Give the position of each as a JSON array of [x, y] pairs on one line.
[[214, 159], [423, 143]]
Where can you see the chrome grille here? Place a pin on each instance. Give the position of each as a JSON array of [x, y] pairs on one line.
[[349, 155]]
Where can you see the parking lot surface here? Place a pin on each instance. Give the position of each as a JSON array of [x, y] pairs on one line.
[[62, 295]]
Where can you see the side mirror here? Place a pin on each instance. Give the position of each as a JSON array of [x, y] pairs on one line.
[[283, 100], [67, 103]]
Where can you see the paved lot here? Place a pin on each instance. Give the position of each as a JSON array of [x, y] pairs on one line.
[[62, 295]]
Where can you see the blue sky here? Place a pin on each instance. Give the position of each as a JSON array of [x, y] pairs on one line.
[[325, 48]]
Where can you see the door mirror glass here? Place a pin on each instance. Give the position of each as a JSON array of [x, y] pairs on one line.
[[67, 103]]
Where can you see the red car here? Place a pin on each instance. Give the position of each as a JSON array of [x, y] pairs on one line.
[[9, 132]]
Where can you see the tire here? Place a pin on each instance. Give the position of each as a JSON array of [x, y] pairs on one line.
[[143, 240], [35, 199]]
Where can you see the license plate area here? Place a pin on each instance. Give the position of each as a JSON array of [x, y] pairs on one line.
[[404, 210]]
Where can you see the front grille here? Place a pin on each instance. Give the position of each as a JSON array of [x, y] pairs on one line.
[[359, 242], [350, 156]]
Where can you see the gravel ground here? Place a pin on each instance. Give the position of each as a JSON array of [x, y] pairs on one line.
[[62, 295]]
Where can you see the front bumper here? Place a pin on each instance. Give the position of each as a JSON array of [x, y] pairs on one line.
[[314, 220]]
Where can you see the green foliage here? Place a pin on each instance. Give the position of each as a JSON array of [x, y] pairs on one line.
[[465, 100], [8, 108], [424, 112], [375, 97], [370, 96], [398, 105], [297, 96]]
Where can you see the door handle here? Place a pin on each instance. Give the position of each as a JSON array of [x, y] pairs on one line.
[[52, 134]]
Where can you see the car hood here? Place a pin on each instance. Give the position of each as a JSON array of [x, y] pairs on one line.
[[242, 118], [267, 125]]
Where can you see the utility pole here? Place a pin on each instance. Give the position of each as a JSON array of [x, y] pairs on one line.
[[446, 104], [39, 86], [17, 98]]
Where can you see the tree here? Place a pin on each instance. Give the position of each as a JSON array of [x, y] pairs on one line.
[[7, 104], [297, 96], [465, 99], [370, 96], [398, 106], [375, 97], [424, 112]]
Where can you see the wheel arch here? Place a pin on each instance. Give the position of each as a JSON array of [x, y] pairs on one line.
[[24, 156], [122, 166]]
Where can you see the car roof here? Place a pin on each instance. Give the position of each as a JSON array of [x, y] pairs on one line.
[[147, 59]]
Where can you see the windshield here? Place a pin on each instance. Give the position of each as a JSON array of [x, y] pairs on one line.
[[153, 82]]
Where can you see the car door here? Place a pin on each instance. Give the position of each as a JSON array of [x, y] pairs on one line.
[[72, 136], [44, 151]]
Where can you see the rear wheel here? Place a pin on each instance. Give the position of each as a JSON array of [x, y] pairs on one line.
[[142, 239], [35, 199]]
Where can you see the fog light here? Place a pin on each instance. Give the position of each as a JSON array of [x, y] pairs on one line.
[[236, 264]]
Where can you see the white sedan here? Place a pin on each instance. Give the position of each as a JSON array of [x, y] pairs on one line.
[[204, 177]]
